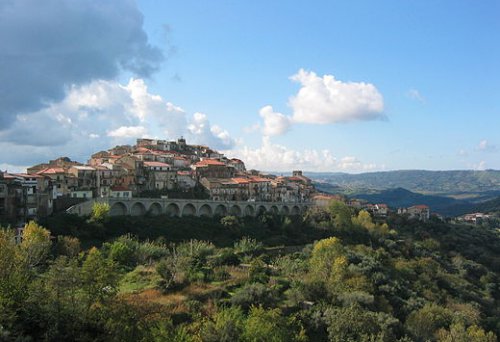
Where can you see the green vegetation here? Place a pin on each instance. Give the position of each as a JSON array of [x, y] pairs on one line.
[[332, 275], [99, 211]]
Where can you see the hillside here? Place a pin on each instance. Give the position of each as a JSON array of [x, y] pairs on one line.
[[358, 280], [488, 206], [465, 183]]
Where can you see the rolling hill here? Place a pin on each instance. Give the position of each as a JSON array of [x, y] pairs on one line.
[[466, 183]]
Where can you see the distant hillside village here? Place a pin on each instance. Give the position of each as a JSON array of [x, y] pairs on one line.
[[159, 168]]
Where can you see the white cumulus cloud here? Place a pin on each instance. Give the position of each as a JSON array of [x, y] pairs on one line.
[[202, 132], [128, 132], [274, 123], [324, 100]]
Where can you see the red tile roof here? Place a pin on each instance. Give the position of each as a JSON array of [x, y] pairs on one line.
[[241, 180], [50, 171], [207, 162]]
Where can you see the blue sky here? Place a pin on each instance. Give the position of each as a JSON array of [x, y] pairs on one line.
[[384, 85]]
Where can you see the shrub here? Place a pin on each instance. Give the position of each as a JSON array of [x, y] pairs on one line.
[[254, 294], [247, 246], [225, 256]]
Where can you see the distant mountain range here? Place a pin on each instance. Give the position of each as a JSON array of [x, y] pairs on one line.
[[427, 182], [449, 193]]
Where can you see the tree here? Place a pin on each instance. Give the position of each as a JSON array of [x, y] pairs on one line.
[[355, 324], [35, 245], [458, 333], [14, 279], [341, 214], [230, 222], [364, 220], [326, 253], [99, 277], [226, 325], [100, 211], [424, 323], [68, 246], [122, 253], [270, 326], [54, 302], [247, 246]]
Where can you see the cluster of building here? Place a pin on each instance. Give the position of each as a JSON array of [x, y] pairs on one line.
[[379, 210], [157, 168], [152, 167], [420, 212], [23, 197], [474, 218]]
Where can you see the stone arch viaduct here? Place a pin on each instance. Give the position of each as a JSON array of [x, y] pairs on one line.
[[186, 207]]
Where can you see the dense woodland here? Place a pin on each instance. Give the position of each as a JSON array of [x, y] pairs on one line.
[[331, 275]]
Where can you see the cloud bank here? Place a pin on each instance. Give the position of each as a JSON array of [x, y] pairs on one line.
[[98, 116], [48, 46], [274, 157]]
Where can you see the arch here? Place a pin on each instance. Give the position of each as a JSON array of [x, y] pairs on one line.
[[155, 209], [249, 210], [189, 210], [274, 210], [235, 210], [305, 209], [285, 210], [118, 209], [137, 209], [220, 210], [295, 210], [205, 210], [261, 210], [173, 210]]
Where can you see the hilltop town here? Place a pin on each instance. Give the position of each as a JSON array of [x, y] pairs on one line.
[[151, 168], [154, 168]]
